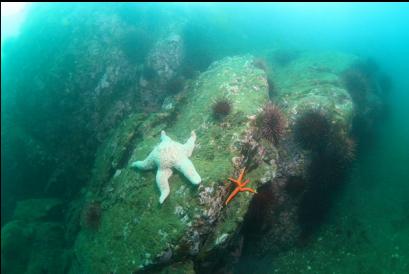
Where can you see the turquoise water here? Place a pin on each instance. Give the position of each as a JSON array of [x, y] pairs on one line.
[[71, 73]]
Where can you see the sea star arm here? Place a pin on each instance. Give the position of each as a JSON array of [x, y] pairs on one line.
[[162, 177], [190, 144], [164, 137], [241, 175], [231, 196], [186, 167], [248, 189], [146, 164], [234, 180]]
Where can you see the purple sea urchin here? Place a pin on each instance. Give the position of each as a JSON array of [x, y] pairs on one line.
[[327, 175], [343, 146], [360, 79], [357, 85], [312, 129], [258, 218], [92, 215], [260, 63], [271, 123], [221, 108], [295, 185], [271, 88]]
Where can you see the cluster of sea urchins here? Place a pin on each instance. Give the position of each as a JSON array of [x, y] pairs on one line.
[[221, 108], [271, 123], [312, 129]]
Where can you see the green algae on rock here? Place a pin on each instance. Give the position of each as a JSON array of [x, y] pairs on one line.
[[137, 233], [32, 245], [135, 230]]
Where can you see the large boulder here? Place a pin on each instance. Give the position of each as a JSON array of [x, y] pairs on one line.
[[135, 231], [310, 82], [136, 234]]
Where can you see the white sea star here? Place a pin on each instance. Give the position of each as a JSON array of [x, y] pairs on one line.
[[169, 154]]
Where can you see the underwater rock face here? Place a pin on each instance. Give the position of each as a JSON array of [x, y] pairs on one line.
[[15, 247], [38, 210], [308, 180], [310, 82], [78, 79], [136, 232], [33, 242], [159, 76], [33, 246], [166, 57], [109, 79]]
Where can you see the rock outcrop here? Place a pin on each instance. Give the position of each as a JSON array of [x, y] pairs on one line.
[[193, 230], [139, 234], [180, 226]]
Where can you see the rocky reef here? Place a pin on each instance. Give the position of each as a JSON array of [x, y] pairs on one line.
[[246, 113], [137, 234], [194, 228], [181, 226]]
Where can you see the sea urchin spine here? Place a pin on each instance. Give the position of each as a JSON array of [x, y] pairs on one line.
[[92, 215], [221, 108], [312, 129], [271, 123]]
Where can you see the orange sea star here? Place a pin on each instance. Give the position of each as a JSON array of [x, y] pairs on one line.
[[239, 186]]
